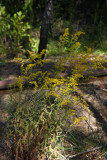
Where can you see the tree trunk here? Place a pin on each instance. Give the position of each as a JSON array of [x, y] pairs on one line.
[[46, 23]]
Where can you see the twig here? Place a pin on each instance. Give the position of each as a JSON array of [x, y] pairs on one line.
[[105, 90], [91, 150], [60, 155]]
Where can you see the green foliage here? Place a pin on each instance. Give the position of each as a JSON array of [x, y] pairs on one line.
[[3, 29], [34, 40], [28, 11], [19, 28], [54, 50], [19, 32], [12, 6], [58, 26], [64, 9], [66, 14], [14, 33]]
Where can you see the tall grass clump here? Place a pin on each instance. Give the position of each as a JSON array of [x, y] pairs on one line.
[[35, 124]]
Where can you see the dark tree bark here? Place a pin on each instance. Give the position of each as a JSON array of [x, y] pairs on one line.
[[46, 23]]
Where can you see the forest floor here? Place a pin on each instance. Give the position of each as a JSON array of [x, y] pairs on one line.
[[90, 133]]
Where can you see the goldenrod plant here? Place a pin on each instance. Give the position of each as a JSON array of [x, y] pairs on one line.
[[35, 125]]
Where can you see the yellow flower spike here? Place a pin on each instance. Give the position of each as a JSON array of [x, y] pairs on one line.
[[32, 57], [77, 44], [78, 33], [29, 67], [19, 59], [89, 50], [35, 83], [19, 82], [53, 94], [72, 111], [65, 102], [77, 120], [64, 38]]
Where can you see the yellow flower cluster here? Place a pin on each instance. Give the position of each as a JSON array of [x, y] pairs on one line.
[[64, 37], [29, 67], [66, 87], [66, 33], [78, 33], [72, 111], [30, 76], [19, 82], [74, 37], [52, 93], [80, 102], [52, 82], [37, 57], [35, 83], [97, 63], [77, 44], [65, 102], [77, 120]]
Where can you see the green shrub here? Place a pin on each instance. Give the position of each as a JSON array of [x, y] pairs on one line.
[[15, 37], [4, 27]]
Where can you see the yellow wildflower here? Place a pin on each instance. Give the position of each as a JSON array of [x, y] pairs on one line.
[[19, 82]]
